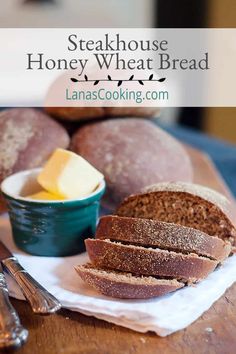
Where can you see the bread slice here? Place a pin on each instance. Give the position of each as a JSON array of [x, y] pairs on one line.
[[168, 236], [147, 261], [125, 285], [186, 204]]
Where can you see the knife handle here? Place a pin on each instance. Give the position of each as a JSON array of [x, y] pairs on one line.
[[12, 333], [41, 301]]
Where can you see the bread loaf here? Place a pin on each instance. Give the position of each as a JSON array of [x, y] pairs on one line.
[[185, 204], [27, 138], [125, 285], [77, 114], [3, 206], [148, 261], [167, 236], [132, 111], [131, 153]]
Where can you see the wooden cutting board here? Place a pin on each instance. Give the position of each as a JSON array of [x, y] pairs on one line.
[[72, 333]]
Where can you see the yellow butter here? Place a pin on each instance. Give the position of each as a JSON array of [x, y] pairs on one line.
[[69, 175], [43, 195]]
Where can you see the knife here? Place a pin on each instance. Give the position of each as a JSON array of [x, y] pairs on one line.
[[40, 300], [12, 333]]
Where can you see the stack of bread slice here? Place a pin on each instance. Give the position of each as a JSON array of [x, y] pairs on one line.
[[162, 239]]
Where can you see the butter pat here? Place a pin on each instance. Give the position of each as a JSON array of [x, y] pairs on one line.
[[43, 195], [69, 175]]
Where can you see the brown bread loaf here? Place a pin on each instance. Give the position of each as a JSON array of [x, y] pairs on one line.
[[27, 138], [125, 285], [132, 111], [167, 236], [131, 153], [148, 261], [77, 114], [3, 206], [185, 204]]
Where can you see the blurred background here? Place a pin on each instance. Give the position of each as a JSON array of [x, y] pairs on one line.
[[218, 122]]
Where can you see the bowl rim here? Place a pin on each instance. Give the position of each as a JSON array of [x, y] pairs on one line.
[[28, 172]]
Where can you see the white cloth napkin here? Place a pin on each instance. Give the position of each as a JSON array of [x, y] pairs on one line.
[[163, 315]]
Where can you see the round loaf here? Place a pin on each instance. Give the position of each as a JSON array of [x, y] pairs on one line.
[[77, 114], [185, 204], [168, 236], [131, 153], [132, 111], [27, 138], [125, 285], [148, 261]]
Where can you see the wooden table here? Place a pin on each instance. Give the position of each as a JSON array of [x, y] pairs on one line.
[[72, 333]]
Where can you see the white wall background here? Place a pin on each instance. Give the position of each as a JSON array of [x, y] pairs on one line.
[[78, 13], [82, 13]]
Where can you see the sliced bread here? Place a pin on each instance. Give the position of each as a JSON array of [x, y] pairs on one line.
[[186, 204], [168, 236], [125, 285], [148, 261]]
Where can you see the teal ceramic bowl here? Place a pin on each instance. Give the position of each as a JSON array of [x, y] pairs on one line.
[[49, 228]]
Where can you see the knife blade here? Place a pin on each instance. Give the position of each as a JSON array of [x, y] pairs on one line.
[[40, 300], [12, 333]]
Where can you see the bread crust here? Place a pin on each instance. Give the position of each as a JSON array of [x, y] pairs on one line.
[[169, 236], [147, 261], [125, 286]]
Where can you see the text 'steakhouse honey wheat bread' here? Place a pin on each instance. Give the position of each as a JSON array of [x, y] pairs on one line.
[[125, 285], [131, 153], [139, 260], [158, 234], [27, 139], [186, 204]]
